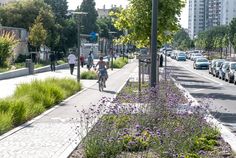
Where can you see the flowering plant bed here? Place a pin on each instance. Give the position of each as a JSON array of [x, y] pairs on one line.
[[150, 124]]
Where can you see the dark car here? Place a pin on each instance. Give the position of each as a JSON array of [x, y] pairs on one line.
[[229, 74], [222, 70], [201, 63], [216, 68]]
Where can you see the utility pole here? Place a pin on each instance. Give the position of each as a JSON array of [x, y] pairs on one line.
[[78, 41], [154, 65]]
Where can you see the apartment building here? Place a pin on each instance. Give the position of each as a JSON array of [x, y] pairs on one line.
[[196, 22], [228, 11], [213, 13]]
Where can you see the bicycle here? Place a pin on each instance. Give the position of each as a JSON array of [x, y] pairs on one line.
[[101, 80]]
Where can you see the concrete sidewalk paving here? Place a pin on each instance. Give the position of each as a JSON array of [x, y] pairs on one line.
[[52, 134]]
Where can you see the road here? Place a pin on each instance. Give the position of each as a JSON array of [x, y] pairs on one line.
[[210, 91]]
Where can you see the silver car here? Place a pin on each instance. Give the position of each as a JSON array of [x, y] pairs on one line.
[[230, 70]]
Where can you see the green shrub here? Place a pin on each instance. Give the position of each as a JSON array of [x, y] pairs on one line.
[[7, 43], [18, 111], [30, 100], [89, 75], [120, 62], [60, 62], [6, 122]]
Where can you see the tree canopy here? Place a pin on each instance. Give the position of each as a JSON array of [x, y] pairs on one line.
[[232, 32], [137, 20], [37, 34], [89, 22], [182, 40], [213, 38]]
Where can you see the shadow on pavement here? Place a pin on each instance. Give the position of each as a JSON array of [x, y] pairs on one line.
[[215, 96], [111, 92], [201, 87], [225, 117], [188, 80]]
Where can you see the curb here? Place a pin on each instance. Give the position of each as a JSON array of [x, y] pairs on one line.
[[226, 134]]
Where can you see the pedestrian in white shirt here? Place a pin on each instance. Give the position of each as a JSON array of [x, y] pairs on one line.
[[72, 60]]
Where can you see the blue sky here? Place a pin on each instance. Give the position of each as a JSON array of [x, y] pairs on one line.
[[100, 3]]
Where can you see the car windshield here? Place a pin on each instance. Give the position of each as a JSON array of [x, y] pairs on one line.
[[219, 63], [233, 66], [198, 54], [181, 54], [202, 60]]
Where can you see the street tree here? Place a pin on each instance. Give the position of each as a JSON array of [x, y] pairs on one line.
[[182, 41], [89, 23], [59, 8], [23, 13], [137, 20], [7, 43], [232, 32], [37, 34]]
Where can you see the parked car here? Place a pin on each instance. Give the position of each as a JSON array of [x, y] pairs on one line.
[[201, 63], [216, 68], [181, 56], [212, 65], [196, 55], [229, 74], [173, 55], [222, 70]]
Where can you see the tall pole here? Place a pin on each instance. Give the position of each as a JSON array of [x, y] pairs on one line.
[[111, 52], [78, 57], [154, 65]]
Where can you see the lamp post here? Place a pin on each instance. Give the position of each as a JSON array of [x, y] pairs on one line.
[[154, 65], [78, 42], [111, 32]]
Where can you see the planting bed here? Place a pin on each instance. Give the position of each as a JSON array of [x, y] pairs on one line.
[[150, 124], [30, 100]]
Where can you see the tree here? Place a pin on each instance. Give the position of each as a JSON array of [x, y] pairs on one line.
[[89, 23], [7, 43], [137, 20], [23, 13], [232, 32], [103, 27], [37, 34], [181, 40], [59, 8]]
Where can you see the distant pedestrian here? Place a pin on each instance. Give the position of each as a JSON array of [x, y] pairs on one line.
[[72, 62], [161, 60], [81, 60], [52, 58], [90, 61]]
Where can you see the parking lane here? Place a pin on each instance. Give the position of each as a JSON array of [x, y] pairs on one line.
[[219, 95]]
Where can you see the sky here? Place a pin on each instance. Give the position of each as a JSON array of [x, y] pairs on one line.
[[100, 3]]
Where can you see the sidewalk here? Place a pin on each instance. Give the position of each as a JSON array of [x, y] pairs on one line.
[[52, 133]]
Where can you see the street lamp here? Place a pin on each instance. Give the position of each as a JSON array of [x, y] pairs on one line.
[[111, 32], [79, 42], [154, 65]]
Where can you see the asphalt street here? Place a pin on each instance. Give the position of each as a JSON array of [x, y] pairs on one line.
[[218, 95]]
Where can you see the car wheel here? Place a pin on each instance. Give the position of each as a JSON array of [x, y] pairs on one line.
[[229, 80]]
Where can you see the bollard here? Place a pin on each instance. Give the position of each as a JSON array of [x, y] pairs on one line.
[[30, 65]]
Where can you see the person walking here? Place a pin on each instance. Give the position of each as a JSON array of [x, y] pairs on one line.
[[72, 61], [90, 61], [81, 60], [52, 58], [161, 60]]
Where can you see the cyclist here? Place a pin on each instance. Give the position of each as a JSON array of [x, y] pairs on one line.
[[102, 69]]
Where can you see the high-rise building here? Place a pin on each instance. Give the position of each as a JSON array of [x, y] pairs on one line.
[[212, 13], [196, 22], [228, 11]]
